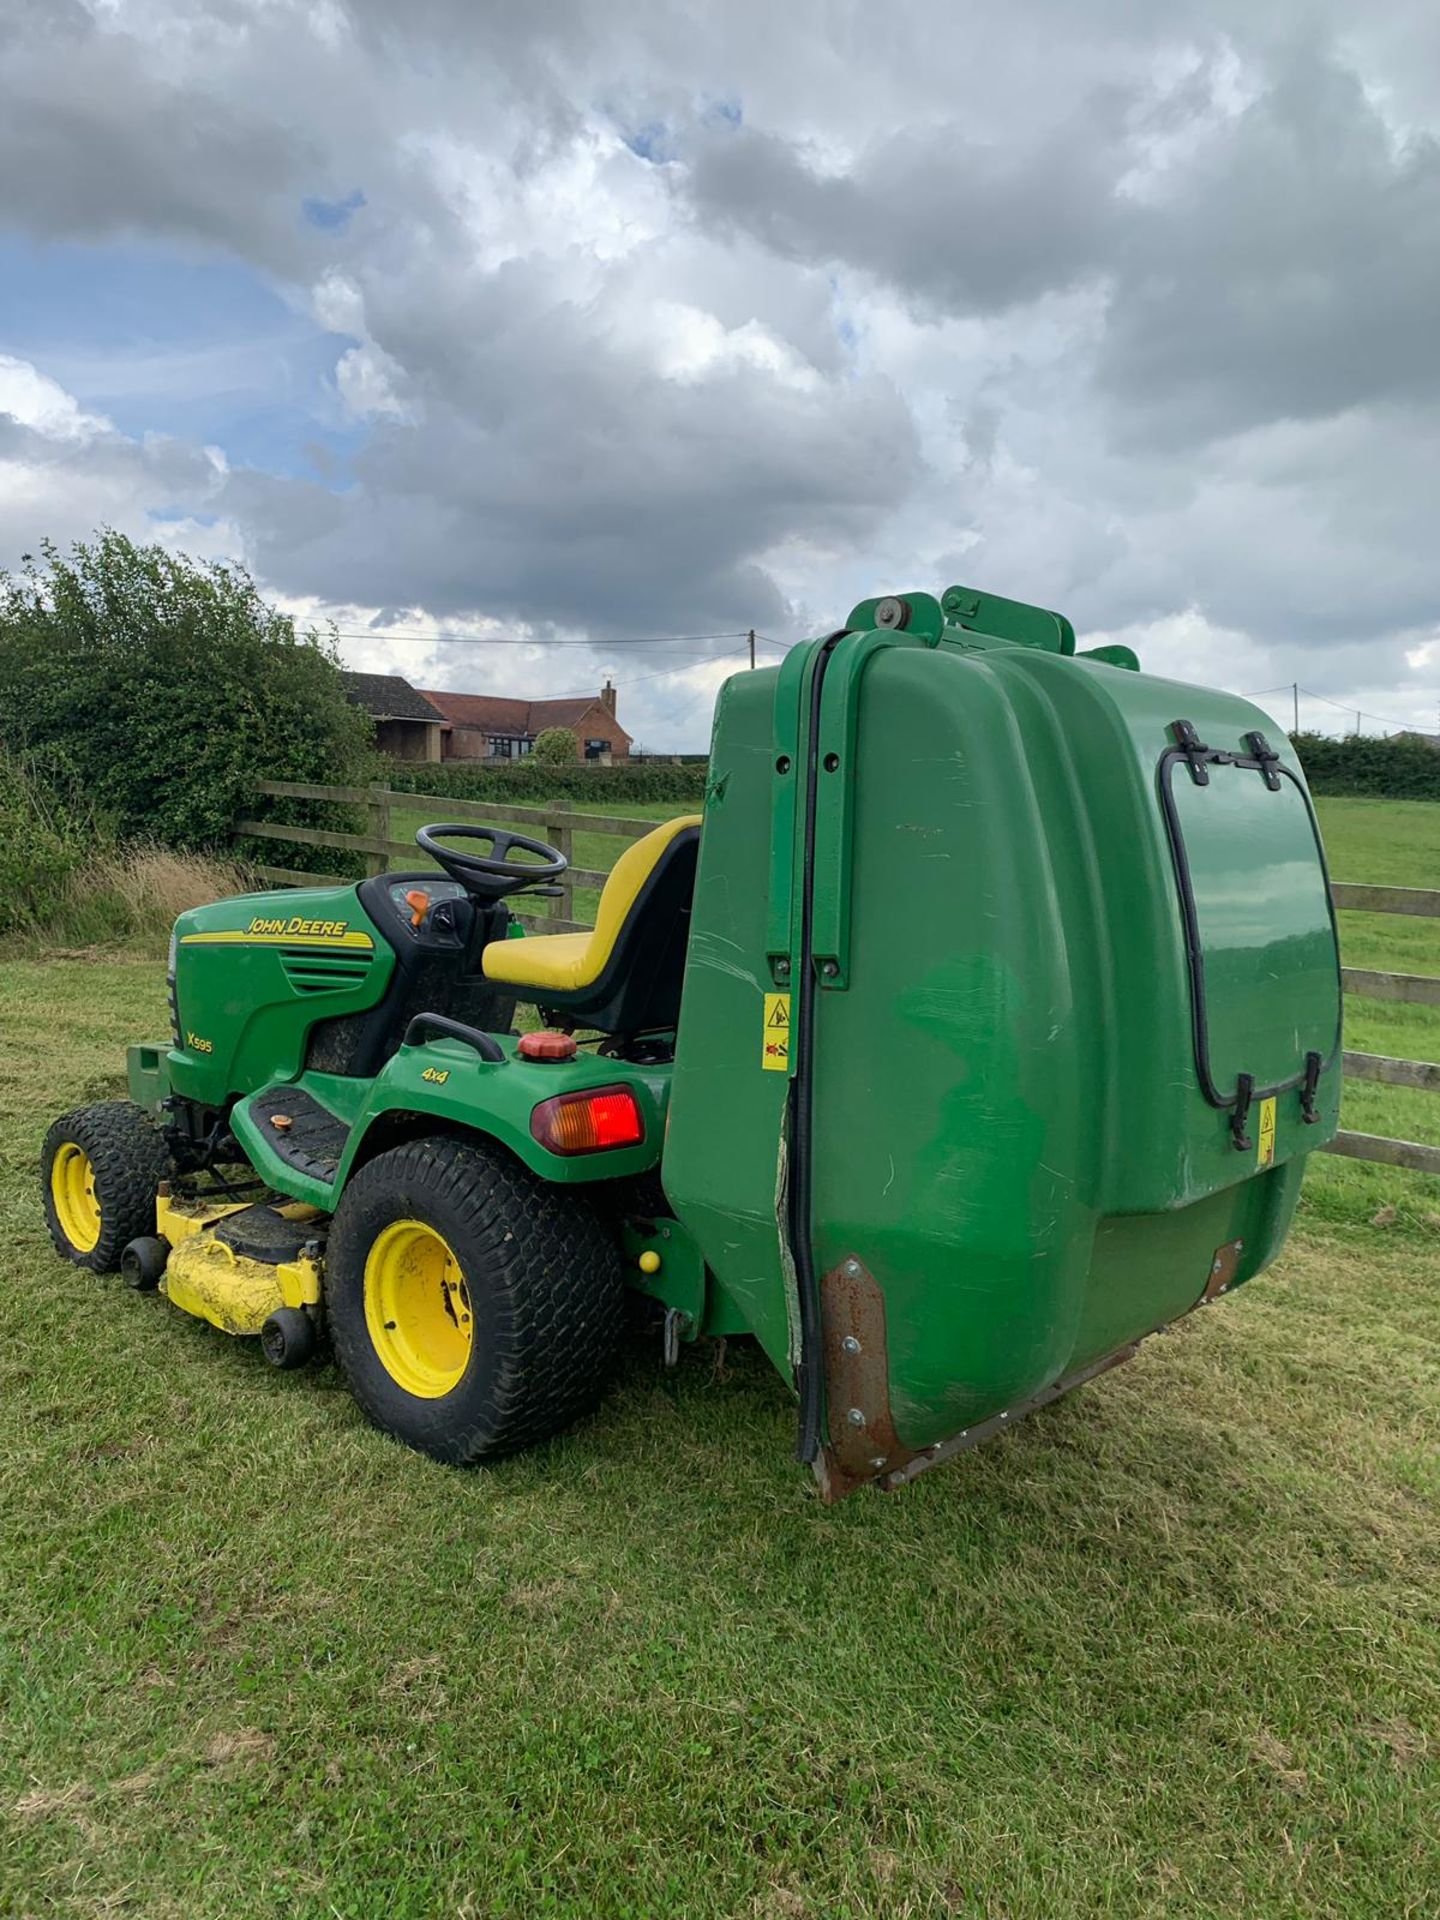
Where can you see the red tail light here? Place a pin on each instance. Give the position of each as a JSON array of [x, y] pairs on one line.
[[590, 1122]]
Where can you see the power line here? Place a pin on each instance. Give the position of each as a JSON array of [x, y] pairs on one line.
[[1364, 712], [501, 640], [664, 673], [1341, 706]]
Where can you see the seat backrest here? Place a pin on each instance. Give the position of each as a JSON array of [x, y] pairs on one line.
[[644, 921], [628, 877]]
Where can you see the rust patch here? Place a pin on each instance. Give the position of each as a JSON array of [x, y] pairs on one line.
[[1223, 1267], [863, 1441]]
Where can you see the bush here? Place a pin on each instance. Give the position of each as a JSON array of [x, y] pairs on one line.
[[1404, 767], [527, 785], [41, 846], [555, 747], [166, 689]]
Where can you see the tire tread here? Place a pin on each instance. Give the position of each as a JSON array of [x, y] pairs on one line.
[[556, 1289], [130, 1159]]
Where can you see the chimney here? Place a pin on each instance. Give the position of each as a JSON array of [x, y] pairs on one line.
[[607, 699]]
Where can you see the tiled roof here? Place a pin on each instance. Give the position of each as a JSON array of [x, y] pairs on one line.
[[387, 696], [492, 713]]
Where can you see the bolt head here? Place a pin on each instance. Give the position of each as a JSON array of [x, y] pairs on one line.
[[850, 1344], [856, 1417], [878, 1461], [852, 1267]]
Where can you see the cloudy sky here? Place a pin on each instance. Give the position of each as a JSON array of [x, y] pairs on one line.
[[615, 331]]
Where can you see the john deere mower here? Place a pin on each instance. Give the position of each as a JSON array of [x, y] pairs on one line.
[[979, 1028]]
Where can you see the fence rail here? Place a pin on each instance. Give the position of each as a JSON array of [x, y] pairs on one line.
[[557, 825], [560, 827]]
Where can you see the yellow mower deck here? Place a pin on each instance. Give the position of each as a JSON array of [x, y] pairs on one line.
[[206, 1277]]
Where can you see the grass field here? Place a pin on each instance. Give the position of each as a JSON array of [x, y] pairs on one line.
[[1172, 1648]]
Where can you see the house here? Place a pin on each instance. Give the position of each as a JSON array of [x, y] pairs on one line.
[[406, 725], [486, 726]]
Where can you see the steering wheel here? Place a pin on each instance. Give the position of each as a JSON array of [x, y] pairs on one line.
[[490, 876]]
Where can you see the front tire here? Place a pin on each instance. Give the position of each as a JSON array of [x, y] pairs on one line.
[[474, 1310], [100, 1169]]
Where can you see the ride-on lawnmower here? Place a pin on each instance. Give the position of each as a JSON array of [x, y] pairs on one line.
[[979, 1028]]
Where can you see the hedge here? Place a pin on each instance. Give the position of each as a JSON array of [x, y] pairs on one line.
[[526, 784], [1403, 767]]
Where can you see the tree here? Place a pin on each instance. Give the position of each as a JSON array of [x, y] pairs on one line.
[[555, 747], [165, 689]]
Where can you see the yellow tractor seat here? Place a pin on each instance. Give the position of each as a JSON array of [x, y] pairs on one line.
[[625, 974]]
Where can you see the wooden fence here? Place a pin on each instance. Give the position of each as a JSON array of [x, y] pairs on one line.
[[559, 827], [551, 824], [1414, 989]]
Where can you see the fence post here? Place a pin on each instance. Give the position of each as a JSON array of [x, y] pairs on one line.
[[377, 809], [563, 840]]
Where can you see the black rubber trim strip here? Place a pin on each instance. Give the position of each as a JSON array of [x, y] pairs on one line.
[[809, 1373], [1307, 1074], [485, 1044]]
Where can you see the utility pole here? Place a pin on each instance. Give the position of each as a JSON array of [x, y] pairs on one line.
[[752, 649], [1295, 696]]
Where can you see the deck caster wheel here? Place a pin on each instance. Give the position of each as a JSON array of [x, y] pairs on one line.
[[143, 1262], [287, 1338]]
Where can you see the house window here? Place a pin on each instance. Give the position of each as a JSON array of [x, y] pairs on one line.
[[595, 748], [524, 746], [500, 744]]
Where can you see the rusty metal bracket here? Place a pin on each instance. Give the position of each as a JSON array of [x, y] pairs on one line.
[[863, 1443], [1223, 1268], [867, 1449]]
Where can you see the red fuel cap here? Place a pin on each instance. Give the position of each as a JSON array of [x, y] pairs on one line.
[[547, 1046]]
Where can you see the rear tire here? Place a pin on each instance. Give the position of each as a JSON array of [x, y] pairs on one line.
[[474, 1309], [100, 1169]]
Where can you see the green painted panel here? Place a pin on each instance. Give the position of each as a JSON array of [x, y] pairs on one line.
[[255, 972], [1010, 1128], [722, 1151], [1265, 924]]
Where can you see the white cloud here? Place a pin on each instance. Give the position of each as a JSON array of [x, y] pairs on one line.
[[367, 378], [36, 401]]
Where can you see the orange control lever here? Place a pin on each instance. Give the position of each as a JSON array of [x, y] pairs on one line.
[[418, 902]]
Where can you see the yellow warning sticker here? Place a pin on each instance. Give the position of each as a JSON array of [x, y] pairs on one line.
[[775, 1041], [1265, 1157]]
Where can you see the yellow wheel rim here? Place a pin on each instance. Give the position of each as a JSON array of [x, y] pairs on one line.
[[417, 1308], [72, 1188]]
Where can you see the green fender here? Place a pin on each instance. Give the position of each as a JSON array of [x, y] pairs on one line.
[[448, 1081]]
